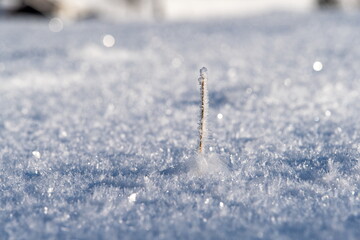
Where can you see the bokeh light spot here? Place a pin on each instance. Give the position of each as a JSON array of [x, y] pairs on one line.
[[317, 66], [108, 40], [56, 25]]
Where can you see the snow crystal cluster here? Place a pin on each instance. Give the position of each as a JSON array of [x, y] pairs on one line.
[[97, 139]]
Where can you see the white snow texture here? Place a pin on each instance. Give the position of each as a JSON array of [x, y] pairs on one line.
[[98, 142]]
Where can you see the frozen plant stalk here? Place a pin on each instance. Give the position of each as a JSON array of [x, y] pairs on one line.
[[206, 163], [203, 109]]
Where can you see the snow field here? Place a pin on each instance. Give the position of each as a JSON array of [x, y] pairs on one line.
[[98, 142]]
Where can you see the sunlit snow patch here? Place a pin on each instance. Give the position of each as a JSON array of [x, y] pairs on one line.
[[36, 154], [132, 198], [208, 164]]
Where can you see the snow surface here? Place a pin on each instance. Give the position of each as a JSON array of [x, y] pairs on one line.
[[99, 142]]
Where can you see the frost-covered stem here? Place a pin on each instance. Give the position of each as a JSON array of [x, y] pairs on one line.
[[203, 109]]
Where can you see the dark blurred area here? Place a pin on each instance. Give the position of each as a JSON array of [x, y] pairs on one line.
[[79, 9], [328, 3], [33, 7]]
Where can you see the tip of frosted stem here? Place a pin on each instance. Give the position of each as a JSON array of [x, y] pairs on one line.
[[203, 72]]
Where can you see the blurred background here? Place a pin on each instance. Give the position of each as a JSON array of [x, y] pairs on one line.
[[161, 9]]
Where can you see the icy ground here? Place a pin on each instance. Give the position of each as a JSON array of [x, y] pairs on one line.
[[97, 143]]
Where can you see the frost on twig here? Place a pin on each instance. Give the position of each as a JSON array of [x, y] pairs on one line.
[[205, 163], [203, 109]]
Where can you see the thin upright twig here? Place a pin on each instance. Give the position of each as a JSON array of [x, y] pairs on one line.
[[203, 109]]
